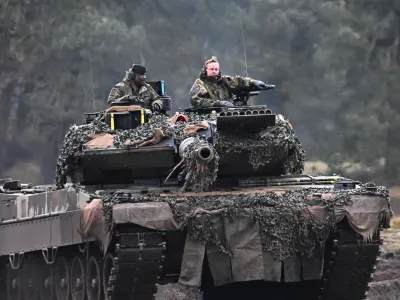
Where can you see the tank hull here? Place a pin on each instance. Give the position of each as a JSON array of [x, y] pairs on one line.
[[55, 245]]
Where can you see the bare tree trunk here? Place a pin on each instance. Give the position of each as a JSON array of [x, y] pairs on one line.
[[6, 88]]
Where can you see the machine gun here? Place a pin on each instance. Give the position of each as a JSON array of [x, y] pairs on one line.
[[240, 97], [239, 100]]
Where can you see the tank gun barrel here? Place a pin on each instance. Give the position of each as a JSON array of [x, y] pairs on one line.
[[203, 153]]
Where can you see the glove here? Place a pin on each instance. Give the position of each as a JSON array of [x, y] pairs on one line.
[[156, 106], [259, 84], [225, 103]]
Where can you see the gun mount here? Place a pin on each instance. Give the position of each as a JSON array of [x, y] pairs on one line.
[[241, 117], [241, 97]]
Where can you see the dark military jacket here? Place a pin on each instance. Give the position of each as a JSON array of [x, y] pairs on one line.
[[124, 88], [207, 92]]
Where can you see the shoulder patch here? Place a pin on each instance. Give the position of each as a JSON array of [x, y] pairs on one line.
[[195, 89]]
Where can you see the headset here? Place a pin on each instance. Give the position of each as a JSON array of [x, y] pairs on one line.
[[136, 70]]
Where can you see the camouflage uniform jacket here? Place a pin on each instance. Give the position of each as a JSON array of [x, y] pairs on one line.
[[146, 92], [207, 92]]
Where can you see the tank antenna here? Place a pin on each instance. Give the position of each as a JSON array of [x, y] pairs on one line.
[[244, 45], [91, 78]]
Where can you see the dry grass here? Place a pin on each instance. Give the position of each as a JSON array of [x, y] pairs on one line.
[[26, 172], [316, 168], [394, 192], [395, 223]]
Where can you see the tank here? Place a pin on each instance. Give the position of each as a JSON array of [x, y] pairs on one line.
[[212, 200]]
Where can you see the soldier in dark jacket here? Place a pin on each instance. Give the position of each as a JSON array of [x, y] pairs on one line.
[[134, 89], [213, 89]]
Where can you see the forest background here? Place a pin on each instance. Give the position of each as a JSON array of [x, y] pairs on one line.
[[335, 65]]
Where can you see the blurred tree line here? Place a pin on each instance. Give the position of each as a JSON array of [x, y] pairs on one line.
[[335, 64]]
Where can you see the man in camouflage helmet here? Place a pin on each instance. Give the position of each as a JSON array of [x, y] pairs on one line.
[[212, 89], [134, 89]]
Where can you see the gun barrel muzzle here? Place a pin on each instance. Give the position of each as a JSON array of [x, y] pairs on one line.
[[205, 154]]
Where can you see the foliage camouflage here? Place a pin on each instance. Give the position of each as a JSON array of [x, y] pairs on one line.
[[279, 140], [334, 63], [198, 176], [297, 234], [78, 135]]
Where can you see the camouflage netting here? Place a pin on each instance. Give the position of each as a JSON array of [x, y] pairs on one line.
[[179, 134], [273, 144], [77, 136], [135, 137], [198, 175], [287, 227]]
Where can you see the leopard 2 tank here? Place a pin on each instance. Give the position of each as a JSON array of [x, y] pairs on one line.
[[209, 200]]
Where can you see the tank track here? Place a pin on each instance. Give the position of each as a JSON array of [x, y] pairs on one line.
[[137, 264], [349, 266]]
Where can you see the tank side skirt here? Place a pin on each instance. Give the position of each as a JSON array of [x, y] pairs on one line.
[[41, 233]]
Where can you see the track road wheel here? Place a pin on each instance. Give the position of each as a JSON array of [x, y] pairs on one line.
[[94, 282], [13, 283], [30, 280], [78, 278], [45, 282], [61, 278], [108, 276]]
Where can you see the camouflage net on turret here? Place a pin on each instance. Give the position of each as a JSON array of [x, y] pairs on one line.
[[278, 143], [179, 134], [287, 227], [77, 136], [273, 144], [197, 175]]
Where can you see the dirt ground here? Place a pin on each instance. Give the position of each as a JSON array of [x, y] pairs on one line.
[[394, 193], [386, 283]]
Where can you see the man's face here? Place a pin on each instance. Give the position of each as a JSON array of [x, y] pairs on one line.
[[213, 69], [140, 79]]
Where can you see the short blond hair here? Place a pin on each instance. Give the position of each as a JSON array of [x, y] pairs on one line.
[[213, 59]]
